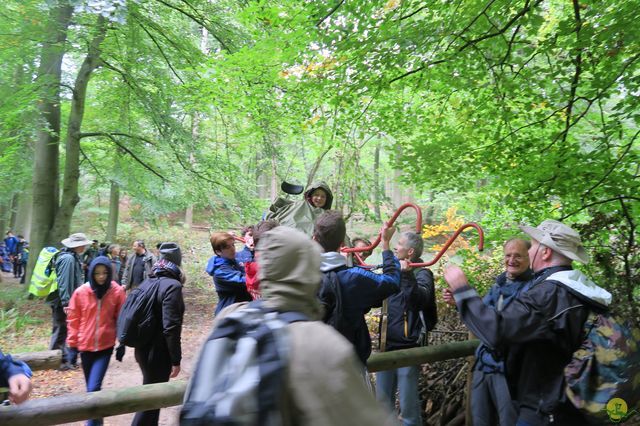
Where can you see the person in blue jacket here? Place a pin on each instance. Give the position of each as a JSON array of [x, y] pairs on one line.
[[11, 242], [16, 375], [246, 254], [360, 289], [228, 276], [5, 259]]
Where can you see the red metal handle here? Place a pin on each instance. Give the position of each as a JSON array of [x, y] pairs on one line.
[[442, 250], [450, 241], [389, 223]]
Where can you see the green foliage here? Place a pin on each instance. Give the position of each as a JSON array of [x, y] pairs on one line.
[[514, 111], [12, 321]]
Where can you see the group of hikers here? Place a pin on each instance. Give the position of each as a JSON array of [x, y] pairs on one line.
[[14, 255], [529, 323]]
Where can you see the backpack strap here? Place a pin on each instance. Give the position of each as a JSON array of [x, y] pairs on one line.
[[288, 317], [382, 325], [562, 312], [291, 317]]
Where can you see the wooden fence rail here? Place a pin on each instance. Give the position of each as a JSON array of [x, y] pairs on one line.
[[111, 402]]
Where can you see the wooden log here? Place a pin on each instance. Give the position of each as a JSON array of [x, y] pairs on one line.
[[77, 407], [45, 360], [111, 402], [457, 420], [422, 355]]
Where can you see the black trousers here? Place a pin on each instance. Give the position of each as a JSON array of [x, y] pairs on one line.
[[17, 267], [155, 363], [59, 330]]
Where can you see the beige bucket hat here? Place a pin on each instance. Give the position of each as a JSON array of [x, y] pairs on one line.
[[76, 240], [560, 238]]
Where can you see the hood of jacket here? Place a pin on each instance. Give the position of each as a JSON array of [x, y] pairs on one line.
[[218, 262], [320, 185], [581, 284], [332, 260], [289, 271], [100, 290]]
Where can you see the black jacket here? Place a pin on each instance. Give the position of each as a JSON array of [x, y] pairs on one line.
[[403, 322], [538, 333], [169, 310]]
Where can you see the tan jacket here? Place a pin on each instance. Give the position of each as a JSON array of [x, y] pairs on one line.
[[324, 384]]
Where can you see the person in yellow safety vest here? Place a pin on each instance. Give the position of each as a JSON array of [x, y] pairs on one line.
[[42, 284]]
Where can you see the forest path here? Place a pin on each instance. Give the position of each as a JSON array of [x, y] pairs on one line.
[[196, 327]]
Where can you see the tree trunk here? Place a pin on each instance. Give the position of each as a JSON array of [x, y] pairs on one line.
[[22, 224], [337, 186], [377, 191], [13, 209], [70, 196], [396, 190], [114, 212], [316, 165], [274, 178], [45, 162], [195, 123], [3, 218]]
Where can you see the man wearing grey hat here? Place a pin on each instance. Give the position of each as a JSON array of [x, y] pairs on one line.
[[539, 330], [69, 276]]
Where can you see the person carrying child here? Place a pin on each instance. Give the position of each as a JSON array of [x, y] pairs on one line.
[[302, 214]]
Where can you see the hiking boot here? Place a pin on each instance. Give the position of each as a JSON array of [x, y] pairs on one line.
[[66, 366]]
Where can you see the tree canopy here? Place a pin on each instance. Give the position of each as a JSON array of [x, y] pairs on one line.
[[513, 110]]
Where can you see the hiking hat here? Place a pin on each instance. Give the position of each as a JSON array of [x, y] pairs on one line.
[[76, 240], [560, 238], [291, 188], [171, 252]]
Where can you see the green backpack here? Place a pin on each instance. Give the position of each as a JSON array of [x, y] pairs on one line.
[[603, 377]]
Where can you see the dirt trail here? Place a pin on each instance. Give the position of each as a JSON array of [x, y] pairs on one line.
[[196, 327]]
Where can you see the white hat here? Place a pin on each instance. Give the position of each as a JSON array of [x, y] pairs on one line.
[[560, 238], [76, 240]]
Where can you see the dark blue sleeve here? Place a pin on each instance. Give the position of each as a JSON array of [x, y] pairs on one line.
[[8, 369], [372, 288], [228, 279], [210, 263]]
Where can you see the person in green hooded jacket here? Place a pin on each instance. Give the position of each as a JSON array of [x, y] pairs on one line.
[[302, 214]]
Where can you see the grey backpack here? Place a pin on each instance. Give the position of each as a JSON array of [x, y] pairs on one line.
[[240, 375]]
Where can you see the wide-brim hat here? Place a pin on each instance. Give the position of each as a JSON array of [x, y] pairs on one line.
[[559, 238], [76, 240]]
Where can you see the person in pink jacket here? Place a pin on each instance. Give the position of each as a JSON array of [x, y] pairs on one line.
[[91, 322]]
